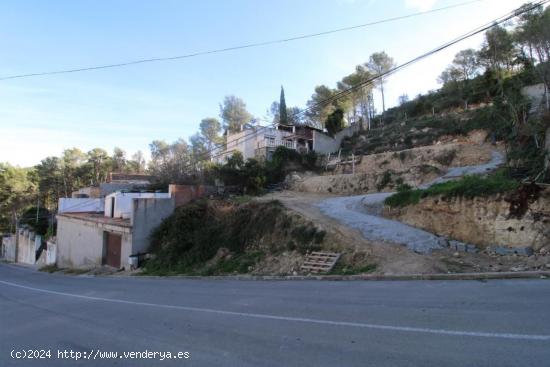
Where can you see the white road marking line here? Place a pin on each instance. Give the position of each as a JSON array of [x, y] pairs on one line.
[[295, 319]]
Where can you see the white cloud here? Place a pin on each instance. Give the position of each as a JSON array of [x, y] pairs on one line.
[[421, 5]]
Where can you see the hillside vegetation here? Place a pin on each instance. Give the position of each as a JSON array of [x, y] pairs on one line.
[[468, 186], [419, 131], [220, 237]]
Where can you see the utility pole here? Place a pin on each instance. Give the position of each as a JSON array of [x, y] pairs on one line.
[[16, 234]]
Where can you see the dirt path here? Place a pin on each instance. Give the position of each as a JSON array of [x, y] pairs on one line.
[[363, 213], [389, 259], [357, 222]]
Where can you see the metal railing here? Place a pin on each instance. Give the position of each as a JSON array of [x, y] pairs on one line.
[[276, 143]]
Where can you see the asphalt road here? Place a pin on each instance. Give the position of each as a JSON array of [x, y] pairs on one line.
[[274, 323]]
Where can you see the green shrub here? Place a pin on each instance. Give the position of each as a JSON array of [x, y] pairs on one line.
[[239, 264], [49, 268], [29, 218], [340, 269], [404, 198], [193, 234], [468, 186], [385, 181], [473, 186], [335, 121]]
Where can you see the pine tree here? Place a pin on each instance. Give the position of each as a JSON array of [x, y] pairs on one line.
[[283, 116]]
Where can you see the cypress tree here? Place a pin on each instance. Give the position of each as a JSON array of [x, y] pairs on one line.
[[283, 116]]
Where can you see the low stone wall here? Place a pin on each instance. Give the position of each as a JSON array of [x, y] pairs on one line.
[[8, 248], [508, 220]]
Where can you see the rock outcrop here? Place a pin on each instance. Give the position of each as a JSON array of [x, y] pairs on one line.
[[383, 172], [516, 220]]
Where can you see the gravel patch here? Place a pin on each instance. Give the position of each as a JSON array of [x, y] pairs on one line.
[[363, 212]]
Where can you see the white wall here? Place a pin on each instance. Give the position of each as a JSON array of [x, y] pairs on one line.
[[8, 248], [51, 253], [244, 142], [48, 257], [78, 245], [123, 202], [27, 245], [324, 144], [70, 205], [147, 215]]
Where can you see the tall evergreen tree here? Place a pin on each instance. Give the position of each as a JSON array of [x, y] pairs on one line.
[[234, 114], [379, 63], [283, 115]]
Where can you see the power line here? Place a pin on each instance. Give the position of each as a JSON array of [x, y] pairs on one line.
[[240, 47], [368, 81], [514, 13], [508, 16], [343, 93]]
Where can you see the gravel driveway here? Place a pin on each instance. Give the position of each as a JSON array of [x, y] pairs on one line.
[[363, 212]]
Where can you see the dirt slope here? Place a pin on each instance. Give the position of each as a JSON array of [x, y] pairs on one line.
[[384, 171], [391, 259]]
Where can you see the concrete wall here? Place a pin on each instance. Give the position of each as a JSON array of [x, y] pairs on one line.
[[70, 205], [124, 202], [80, 243], [324, 144], [48, 257], [244, 142], [51, 253], [147, 215], [8, 248], [27, 245]]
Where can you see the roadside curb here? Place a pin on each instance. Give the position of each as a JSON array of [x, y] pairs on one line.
[[538, 274], [372, 277]]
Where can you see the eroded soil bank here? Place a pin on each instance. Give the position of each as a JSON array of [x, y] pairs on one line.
[[383, 172], [520, 219]]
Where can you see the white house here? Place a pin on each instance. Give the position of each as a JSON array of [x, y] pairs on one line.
[[90, 234], [261, 141]]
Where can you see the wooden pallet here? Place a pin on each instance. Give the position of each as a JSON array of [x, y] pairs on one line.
[[320, 262]]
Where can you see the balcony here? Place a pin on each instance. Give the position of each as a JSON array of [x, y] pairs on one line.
[[274, 143]]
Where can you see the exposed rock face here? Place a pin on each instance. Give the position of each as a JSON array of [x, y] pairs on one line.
[[491, 221], [384, 171]]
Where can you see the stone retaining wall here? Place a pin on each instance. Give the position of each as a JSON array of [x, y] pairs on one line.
[[486, 222]]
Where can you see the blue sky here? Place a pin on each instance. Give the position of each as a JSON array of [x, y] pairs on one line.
[[129, 107]]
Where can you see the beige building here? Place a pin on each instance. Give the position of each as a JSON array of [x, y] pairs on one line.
[[115, 236], [115, 230], [260, 142]]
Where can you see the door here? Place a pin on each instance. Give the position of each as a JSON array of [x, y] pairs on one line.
[[113, 246]]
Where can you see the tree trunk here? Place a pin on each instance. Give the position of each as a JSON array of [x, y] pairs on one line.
[[383, 99]]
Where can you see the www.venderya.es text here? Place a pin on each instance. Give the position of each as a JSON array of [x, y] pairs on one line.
[[95, 354]]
